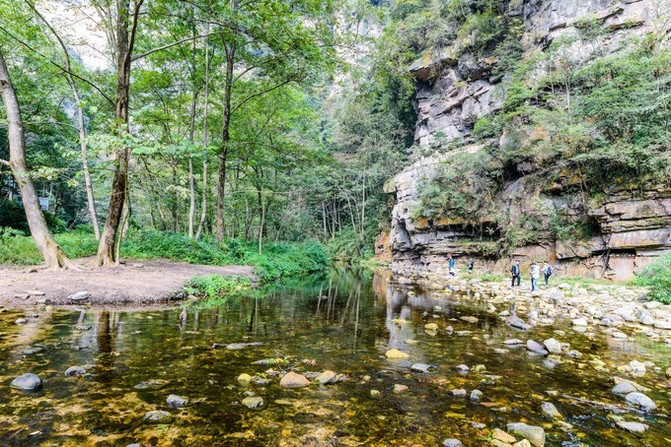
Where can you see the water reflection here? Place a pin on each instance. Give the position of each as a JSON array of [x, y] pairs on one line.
[[344, 322]]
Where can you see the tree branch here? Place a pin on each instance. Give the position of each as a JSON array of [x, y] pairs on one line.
[[5, 162], [173, 44], [263, 92], [60, 67]]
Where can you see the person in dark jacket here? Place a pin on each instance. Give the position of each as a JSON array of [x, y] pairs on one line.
[[515, 272], [471, 264]]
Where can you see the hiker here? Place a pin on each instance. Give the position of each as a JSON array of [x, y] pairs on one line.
[[471, 264], [515, 271], [450, 262], [535, 273], [547, 272]]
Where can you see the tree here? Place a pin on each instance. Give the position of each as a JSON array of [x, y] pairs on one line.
[[54, 258]]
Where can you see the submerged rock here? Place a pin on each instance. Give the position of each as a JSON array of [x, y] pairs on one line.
[[551, 411], [476, 395], [533, 433], [294, 380], [252, 402], [398, 388], [326, 377], [502, 436], [175, 401], [422, 367], [395, 354], [75, 371], [27, 382], [241, 346], [452, 442], [517, 323], [151, 385], [244, 378], [157, 417]]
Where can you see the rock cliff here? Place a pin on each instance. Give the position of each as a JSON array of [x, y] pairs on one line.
[[627, 229]]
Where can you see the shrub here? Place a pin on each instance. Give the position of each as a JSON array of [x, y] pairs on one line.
[[657, 277], [216, 285]]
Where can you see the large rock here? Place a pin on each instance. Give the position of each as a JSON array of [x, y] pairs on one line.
[[175, 401], [642, 401], [252, 402], [534, 434], [326, 377], [536, 348], [633, 427], [80, 296], [27, 382], [294, 380], [552, 345]]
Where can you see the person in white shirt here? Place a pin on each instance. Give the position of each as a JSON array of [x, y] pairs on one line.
[[535, 275]]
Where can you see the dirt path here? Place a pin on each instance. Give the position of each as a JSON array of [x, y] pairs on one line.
[[134, 282]]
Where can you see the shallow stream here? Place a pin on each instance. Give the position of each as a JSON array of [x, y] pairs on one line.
[[342, 322]]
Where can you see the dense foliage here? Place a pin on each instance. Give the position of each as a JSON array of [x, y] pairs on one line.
[[658, 278], [278, 261]]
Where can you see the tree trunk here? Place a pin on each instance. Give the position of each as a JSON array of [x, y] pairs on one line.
[[80, 126], [225, 137], [203, 212], [54, 258], [124, 49]]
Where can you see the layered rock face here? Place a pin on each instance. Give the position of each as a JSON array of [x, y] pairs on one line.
[[630, 229]]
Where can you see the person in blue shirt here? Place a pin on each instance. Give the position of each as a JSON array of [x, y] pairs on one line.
[[515, 272], [450, 262]]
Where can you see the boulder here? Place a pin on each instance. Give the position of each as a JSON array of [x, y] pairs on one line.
[[623, 388], [552, 345], [536, 348], [532, 433], [502, 436], [293, 380], [641, 400], [27, 382]]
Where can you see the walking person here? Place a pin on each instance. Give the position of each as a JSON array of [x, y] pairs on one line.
[[450, 262], [547, 272], [471, 264], [515, 272], [535, 275]]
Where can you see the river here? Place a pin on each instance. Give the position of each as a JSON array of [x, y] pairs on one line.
[[343, 322]]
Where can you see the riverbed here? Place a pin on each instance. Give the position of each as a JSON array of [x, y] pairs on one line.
[[219, 353]]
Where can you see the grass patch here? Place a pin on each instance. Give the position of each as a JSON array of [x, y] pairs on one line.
[[215, 285]]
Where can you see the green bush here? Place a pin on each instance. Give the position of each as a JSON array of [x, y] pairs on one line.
[[177, 247], [657, 277]]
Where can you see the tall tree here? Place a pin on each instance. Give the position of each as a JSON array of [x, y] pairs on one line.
[[54, 258]]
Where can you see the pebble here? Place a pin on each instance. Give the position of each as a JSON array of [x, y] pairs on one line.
[[452, 443], [536, 348], [398, 388], [75, 371], [422, 367], [502, 436], [80, 296], [21, 321], [476, 395], [458, 392], [552, 345]]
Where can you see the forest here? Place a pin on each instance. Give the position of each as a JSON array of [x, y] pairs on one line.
[[244, 123]]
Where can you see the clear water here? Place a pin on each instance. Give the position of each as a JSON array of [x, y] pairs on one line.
[[343, 322]]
